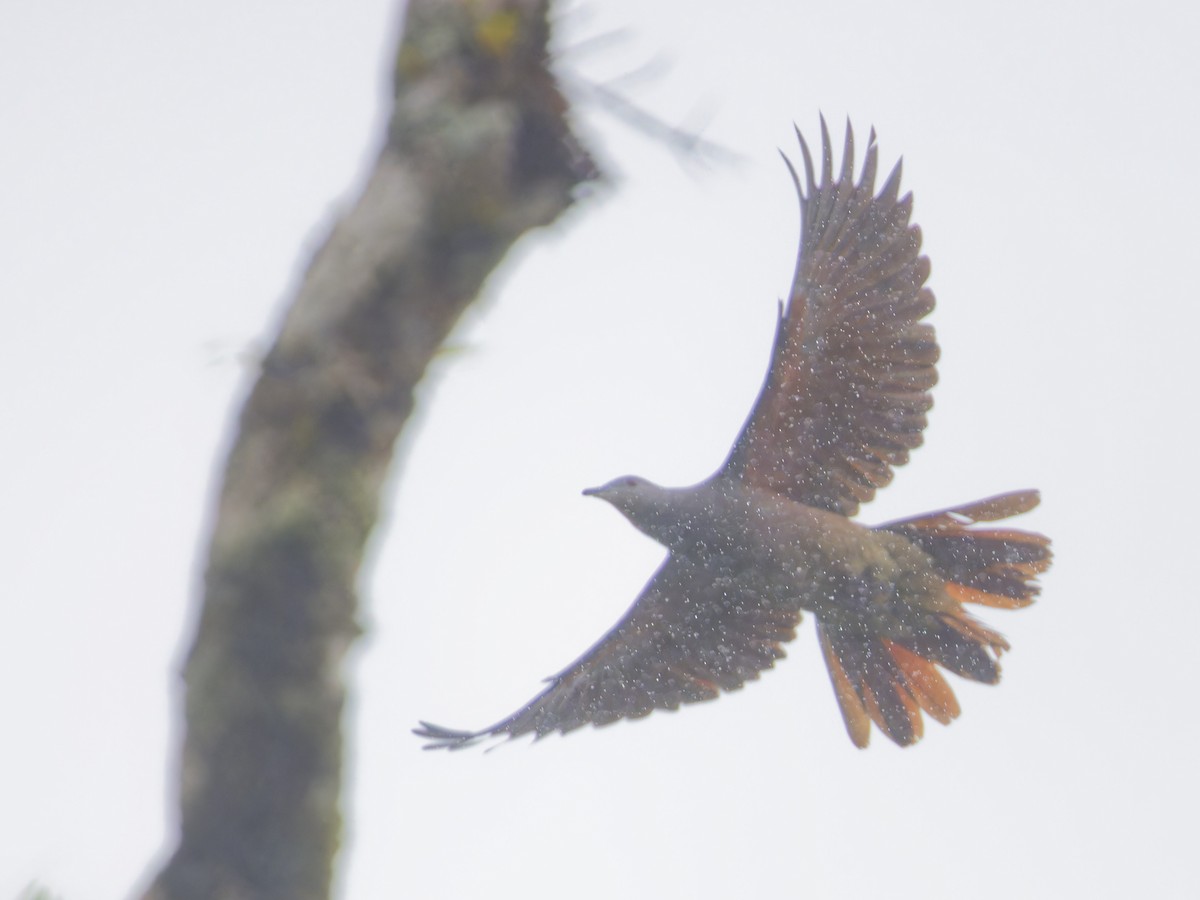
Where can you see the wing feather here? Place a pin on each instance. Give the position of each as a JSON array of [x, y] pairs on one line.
[[848, 388], [694, 631]]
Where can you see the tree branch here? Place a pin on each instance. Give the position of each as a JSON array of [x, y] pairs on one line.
[[478, 152]]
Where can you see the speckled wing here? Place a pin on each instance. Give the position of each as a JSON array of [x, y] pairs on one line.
[[848, 387], [696, 629]]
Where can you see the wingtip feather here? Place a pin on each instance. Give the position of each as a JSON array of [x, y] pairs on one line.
[[848, 155], [808, 162], [826, 154], [441, 738], [866, 181], [795, 177], [891, 187]]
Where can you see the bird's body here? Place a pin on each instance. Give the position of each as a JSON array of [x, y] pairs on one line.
[[798, 551], [770, 534], [721, 516]]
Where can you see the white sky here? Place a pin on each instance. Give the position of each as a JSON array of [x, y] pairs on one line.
[[167, 170]]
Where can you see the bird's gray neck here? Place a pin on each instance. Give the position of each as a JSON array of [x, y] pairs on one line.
[[684, 519]]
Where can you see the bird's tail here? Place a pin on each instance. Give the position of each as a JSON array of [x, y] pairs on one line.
[[889, 682]]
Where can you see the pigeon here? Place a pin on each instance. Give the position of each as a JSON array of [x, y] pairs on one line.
[[771, 534]]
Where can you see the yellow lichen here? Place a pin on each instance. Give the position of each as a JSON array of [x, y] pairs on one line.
[[497, 32]]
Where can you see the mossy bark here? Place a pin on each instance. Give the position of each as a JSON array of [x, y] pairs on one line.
[[478, 153]]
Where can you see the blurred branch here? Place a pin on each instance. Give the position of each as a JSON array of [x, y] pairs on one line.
[[686, 143], [477, 153]]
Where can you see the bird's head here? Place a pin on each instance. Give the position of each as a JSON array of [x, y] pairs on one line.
[[623, 490], [654, 510]]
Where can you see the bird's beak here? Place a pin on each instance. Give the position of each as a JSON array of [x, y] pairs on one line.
[[591, 492]]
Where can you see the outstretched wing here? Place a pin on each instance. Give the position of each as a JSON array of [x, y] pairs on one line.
[[695, 630], [848, 387]]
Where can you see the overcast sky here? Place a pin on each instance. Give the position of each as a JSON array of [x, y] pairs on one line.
[[168, 168]]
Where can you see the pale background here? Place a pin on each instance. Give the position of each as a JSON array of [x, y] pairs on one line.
[[168, 168]]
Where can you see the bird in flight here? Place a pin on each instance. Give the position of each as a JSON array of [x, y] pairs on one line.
[[771, 534]]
